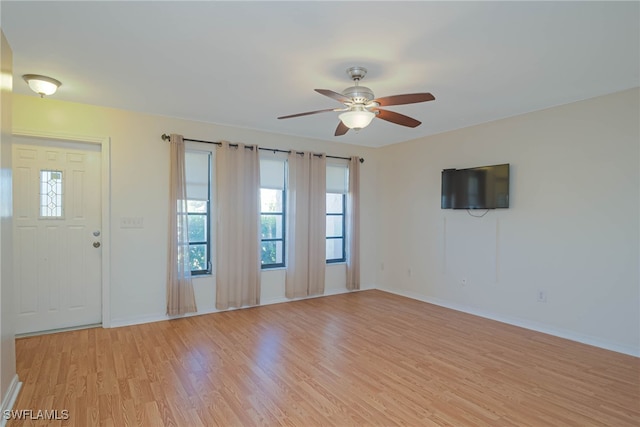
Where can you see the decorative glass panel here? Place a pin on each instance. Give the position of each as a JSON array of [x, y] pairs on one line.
[[51, 194]]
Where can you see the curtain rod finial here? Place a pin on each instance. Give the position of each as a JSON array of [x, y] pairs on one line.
[[165, 137]]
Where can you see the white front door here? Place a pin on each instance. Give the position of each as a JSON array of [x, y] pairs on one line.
[[57, 235]]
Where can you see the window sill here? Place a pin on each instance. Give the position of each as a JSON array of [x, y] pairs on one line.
[[273, 269], [284, 268], [197, 276]]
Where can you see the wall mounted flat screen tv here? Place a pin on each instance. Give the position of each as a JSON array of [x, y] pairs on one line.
[[484, 187]]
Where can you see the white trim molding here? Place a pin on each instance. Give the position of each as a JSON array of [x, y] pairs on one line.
[[522, 323], [9, 399], [117, 323]]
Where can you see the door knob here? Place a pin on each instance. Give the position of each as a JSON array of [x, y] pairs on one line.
[[96, 244]]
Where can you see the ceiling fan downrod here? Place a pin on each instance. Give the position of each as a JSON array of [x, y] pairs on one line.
[[358, 94], [357, 73]]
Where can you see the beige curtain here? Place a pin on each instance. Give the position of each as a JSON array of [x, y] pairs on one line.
[[353, 225], [180, 296], [238, 241], [306, 225]]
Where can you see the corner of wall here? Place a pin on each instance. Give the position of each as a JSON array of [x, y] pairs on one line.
[[9, 382]]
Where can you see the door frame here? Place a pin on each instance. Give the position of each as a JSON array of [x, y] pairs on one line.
[[105, 149]]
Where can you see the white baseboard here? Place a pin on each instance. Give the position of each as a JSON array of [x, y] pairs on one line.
[[9, 398], [522, 323], [139, 320], [278, 300]]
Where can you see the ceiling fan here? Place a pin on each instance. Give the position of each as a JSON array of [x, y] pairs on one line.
[[360, 106]]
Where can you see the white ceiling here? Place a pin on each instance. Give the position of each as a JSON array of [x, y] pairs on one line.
[[245, 63]]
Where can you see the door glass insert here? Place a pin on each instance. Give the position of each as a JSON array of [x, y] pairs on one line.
[[51, 194]]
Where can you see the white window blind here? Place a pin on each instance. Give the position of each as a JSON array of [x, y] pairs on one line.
[[337, 178], [272, 173], [197, 172]]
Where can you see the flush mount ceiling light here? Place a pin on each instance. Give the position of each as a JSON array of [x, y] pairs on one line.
[[42, 85]]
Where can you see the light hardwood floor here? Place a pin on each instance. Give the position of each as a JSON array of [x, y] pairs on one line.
[[365, 358]]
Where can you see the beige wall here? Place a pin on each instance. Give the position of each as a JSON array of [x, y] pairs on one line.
[[9, 384], [572, 229], [139, 182]]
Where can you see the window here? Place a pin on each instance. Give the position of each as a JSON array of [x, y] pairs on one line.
[[337, 188], [335, 227], [198, 174], [50, 194], [272, 212], [272, 227], [198, 211]]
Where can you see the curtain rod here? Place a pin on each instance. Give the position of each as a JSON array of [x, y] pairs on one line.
[[166, 137]]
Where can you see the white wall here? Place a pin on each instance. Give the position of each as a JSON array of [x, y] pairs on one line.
[[9, 383], [139, 183], [572, 229]]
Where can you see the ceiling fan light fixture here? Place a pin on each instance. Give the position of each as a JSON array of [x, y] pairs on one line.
[[361, 106], [357, 119], [42, 85]]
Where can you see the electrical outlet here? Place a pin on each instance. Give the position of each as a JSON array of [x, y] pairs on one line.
[[409, 272], [542, 296]]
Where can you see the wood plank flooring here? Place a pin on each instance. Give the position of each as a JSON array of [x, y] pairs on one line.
[[365, 358]]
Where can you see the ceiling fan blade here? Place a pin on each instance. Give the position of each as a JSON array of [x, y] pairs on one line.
[[341, 129], [410, 98], [397, 118], [333, 95], [307, 113]]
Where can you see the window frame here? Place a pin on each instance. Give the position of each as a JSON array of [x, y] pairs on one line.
[[207, 217], [344, 231], [207, 242], [284, 230]]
